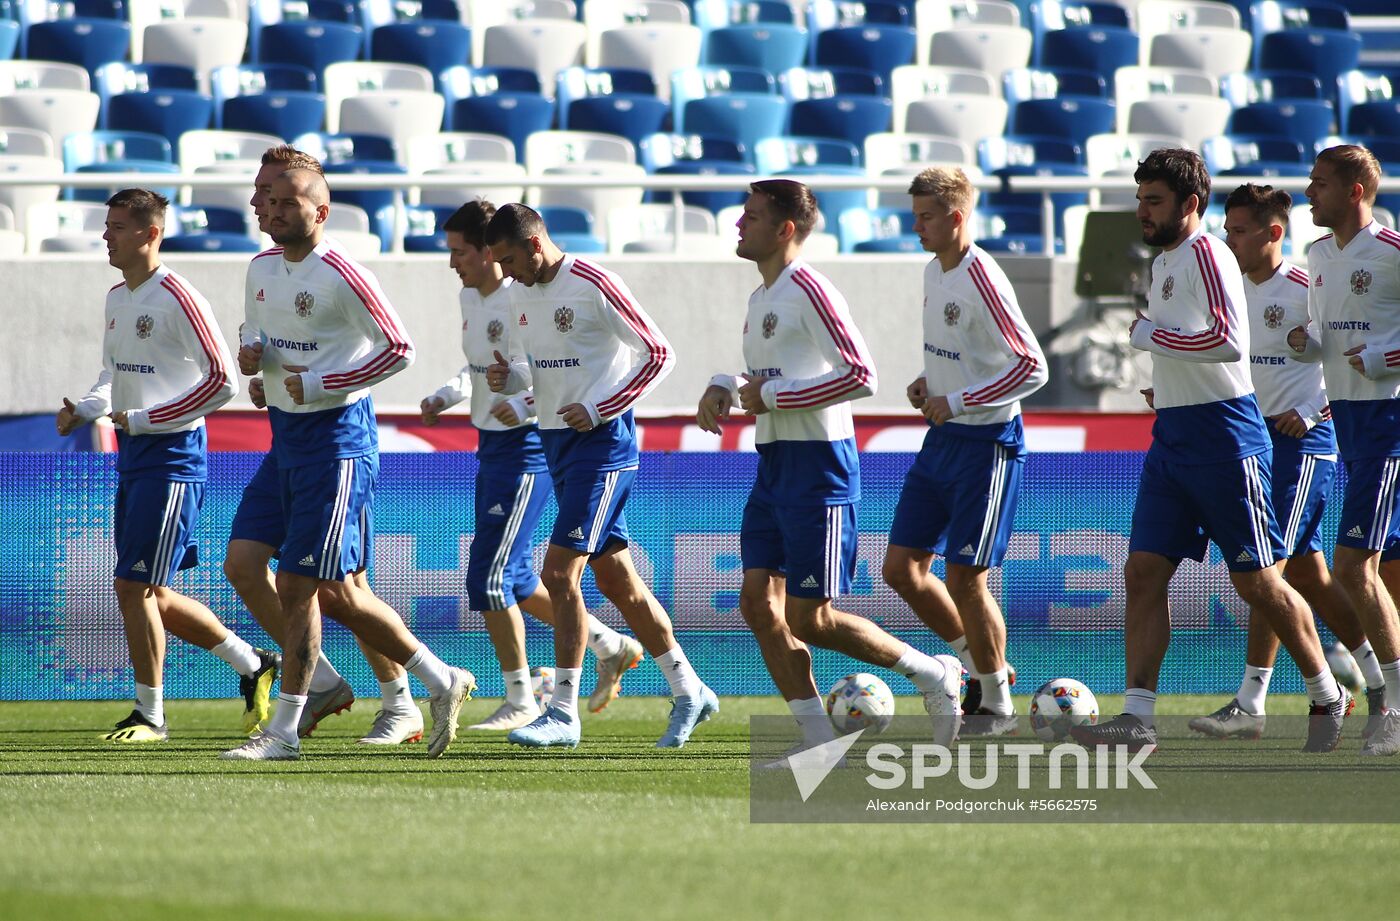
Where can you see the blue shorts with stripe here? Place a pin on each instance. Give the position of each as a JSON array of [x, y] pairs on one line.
[[259, 517], [330, 521], [1301, 485], [959, 500], [154, 527], [1370, 515], [1180, 507], [500, 566], [591, 517], [813, 546]]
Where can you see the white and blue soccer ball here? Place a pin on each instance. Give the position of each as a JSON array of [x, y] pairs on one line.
[[1344, 668], [860, 701], [542, 681], [1060, 705]]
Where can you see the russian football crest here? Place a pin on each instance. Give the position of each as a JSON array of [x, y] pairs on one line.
[[144, 325], [564, 319], [304, 303], [1360, 282], [951, 312], [1168, 287], [770, 325], [494, 329], [1273, 316]]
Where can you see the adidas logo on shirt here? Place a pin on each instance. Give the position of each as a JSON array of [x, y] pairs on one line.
[[967, 551], [576, 534], [523, 321], [260, 296], [1355, 531], [496, 510], [809, 582], [140, 566], [307, 560]]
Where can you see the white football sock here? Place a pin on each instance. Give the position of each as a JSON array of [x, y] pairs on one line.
[[324, 677], [1391, 671], [430, 670], [1141, 703], [603, 640], [1370, 666], [996, 691], [1254, 687], [566, 690], [812, 720], [960, 650], [925, 671], [286, 717], [679, 675], [150, 703], [519, 692], [394, 695], [237, 652], [1323, 688]]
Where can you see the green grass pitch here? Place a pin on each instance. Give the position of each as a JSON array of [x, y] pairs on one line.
[[615, 830]]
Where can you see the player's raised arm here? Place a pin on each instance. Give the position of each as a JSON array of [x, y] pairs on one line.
[[828, 323], [652, 355]]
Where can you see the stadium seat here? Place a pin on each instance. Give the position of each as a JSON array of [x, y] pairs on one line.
[[934, 16], [993, 49], [1133, 84], [126, 166], [563, 219], [741, 117], [878, 48], [1022, 83], [201, 148], [377, 203], [434, 46], [88, 43], [1271, 16], [800, 83], [465, 177], [709, 80], [1101, 50], [1325, 53], [1235, 151], [831, 14], [630, 115], [643, 222], [9, 40], [964, 118], [548, 149], [395, 114], [709, 200], [58, 113], [545, 46], [282, 114], [1242, 89], [1118, 155], [848, 118], [1000, 152], [235, 197], [233, 80], [1370, 85], [1375, 119], [595, 200], [899, 151], [485, 14], [313, 45], [657, 48], [911, 82], [19, 198], [601, 15], [1071, 117], [1194, 118], [667, 149], [166, 112], [1304, 121], [200, 44], [125, 77], [717, 14], [1214, 51], [42, 75], [513, 115], [183, 219], [210, 242], [337, 148], [460, 82], [64, 219], [1008, 228], [92, 245], [1159, 17], [445, 148], [779, 154], [1053, 15], [350, 78], [575, 83], [25, 142], [768, 46], [87, 147], [860, 225]]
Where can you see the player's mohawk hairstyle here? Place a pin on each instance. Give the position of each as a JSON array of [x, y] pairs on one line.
[[289, 158], [1182, 170], [514, 224]]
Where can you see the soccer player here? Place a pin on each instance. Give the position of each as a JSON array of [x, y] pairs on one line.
[[1293, 399], [1207, 474], [258, 530], [509, 497], [1355, 308], [806, 362], [165, 367], [591, 353], [326, 334], [959, 498]]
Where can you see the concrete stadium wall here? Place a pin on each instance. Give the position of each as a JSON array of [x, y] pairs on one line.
[[54, 319]]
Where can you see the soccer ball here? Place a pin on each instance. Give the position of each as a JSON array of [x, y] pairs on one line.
[[1060, 705], [860, 701], [1344, 668], [542, 680]]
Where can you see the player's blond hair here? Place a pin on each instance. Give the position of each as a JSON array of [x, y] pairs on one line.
[[948, 184], [1355, 164], [289, 158]]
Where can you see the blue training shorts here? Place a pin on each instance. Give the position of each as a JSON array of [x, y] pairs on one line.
[[591, 517], [1301, 485], [259, 517], [154, 526], [500, 567], [1370, 514], [330, 522], [814, 546]]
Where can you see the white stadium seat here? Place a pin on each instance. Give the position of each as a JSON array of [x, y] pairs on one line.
[[42, 75], [200, 44], [545, 46], [597, 201], [200, 148], [483, 14], [443, 149], [965, 118], [645, 222], [1135, 83], [57, 113], [911, 82], [63, 219], [545, 149], [993, 49], [395, 114], [350, 78], [657, 48], [25, 142], [1193, 118], [466, 189], [1214, 51], [20, 198]]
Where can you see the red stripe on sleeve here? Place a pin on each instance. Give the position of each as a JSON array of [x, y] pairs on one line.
[[214, 379], [397, 348], [657, 353]]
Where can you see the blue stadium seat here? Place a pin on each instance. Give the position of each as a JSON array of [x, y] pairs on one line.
[[125, 77], [206, 219], [1305, 121], [849, 118], [574, 83], [9, 38], [828, 14], [712, 201], [169, 113], [426, 220], [100, 9], [513, 115], [462, 82], [432, 45], [88, 147], [1271, 16], [210, 242], [126, 166], [817, 82], [309, 44], [665, 149], [708, 80], [1053, 15], [1008, 228], [89, 43], [1100, 50], [771, 47], [1231, 151], [1324, 53], [1022, 83], [247, 79], [1371, 84], [579, 243], [334, 11], [377, 203], [344, 12], [996, 153], [337, 148], [740, 117], [281, 114], [631, 115], [1241, 89], [1072, 117], [716, 14], [904, 244], [856, 226], [785, 152], [566, 219], [1375, 119], [870, 47], [425, 242]]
